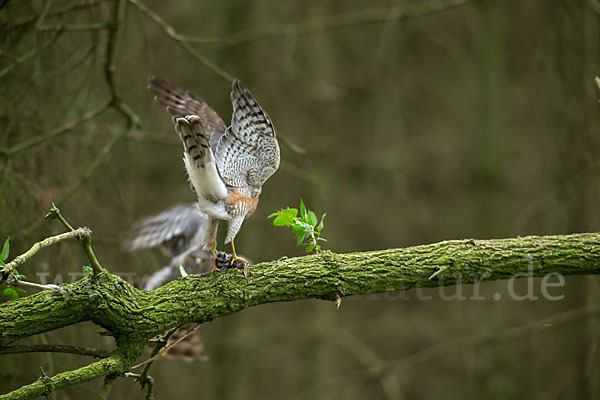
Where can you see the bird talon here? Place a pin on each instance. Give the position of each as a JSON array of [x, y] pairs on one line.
[[236, 258]]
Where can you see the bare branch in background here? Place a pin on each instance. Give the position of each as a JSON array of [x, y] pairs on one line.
[[64, 128], [170, 31], [54, 348], [363, 17]]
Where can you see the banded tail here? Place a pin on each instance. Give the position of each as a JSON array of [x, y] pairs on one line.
[[195, 143], [201, 165]]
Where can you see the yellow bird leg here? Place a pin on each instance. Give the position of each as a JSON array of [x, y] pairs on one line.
[[214, 251], [235, 257]]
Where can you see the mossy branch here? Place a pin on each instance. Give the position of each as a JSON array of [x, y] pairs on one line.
[[135, 316], [114, 365]]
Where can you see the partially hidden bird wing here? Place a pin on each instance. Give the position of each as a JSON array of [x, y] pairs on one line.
[[248, 153], [182, 103], [173, 229]]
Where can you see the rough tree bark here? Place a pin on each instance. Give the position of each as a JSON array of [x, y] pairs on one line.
[[133, 316]]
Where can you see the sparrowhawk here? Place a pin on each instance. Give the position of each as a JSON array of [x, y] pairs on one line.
[[226, 166]]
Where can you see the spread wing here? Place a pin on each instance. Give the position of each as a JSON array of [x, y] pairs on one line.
[[175, 229], [248, 153], [181, 103]]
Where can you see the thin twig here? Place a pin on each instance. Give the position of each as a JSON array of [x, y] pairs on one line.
[[21, 259], [339, 21], [87, 248], [111, 48], [85, 237], [55, 348], [110, 65], [162, 341], [441, 349], [109, 380], [55, 213], [42, 15], [73, 7], [144, 380], [95, 163], [165, 349], [64, 128], [19, 282], [74, 27], [170, 31], [368, 357], [30, 54]]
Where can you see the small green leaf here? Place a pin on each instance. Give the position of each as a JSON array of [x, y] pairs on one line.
[[274, 214], [2, 263], [5, 249], [86, 270], [281, 220], [298, 228], [292, 212], [320, 226], [19, 276], [21, 290], [284, 217], [182, 271], [301, 238], [10, 291], [302, 210], [310, 248], [312, 218]]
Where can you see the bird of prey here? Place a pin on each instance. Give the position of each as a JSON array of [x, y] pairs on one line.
[[226, 165]]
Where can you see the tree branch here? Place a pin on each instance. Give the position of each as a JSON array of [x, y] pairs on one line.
[[108, 383], [135, 316], [23, 258], [55, 348], [85, 237], [114, 365], [123, 310], [33, 285]]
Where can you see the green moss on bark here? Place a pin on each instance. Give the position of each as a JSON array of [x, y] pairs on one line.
[[134, 316]]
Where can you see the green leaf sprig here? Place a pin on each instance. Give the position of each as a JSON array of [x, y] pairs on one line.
[[10, 290], [306, 226]]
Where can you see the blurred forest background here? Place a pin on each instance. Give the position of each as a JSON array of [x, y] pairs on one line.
[[408, 122]]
